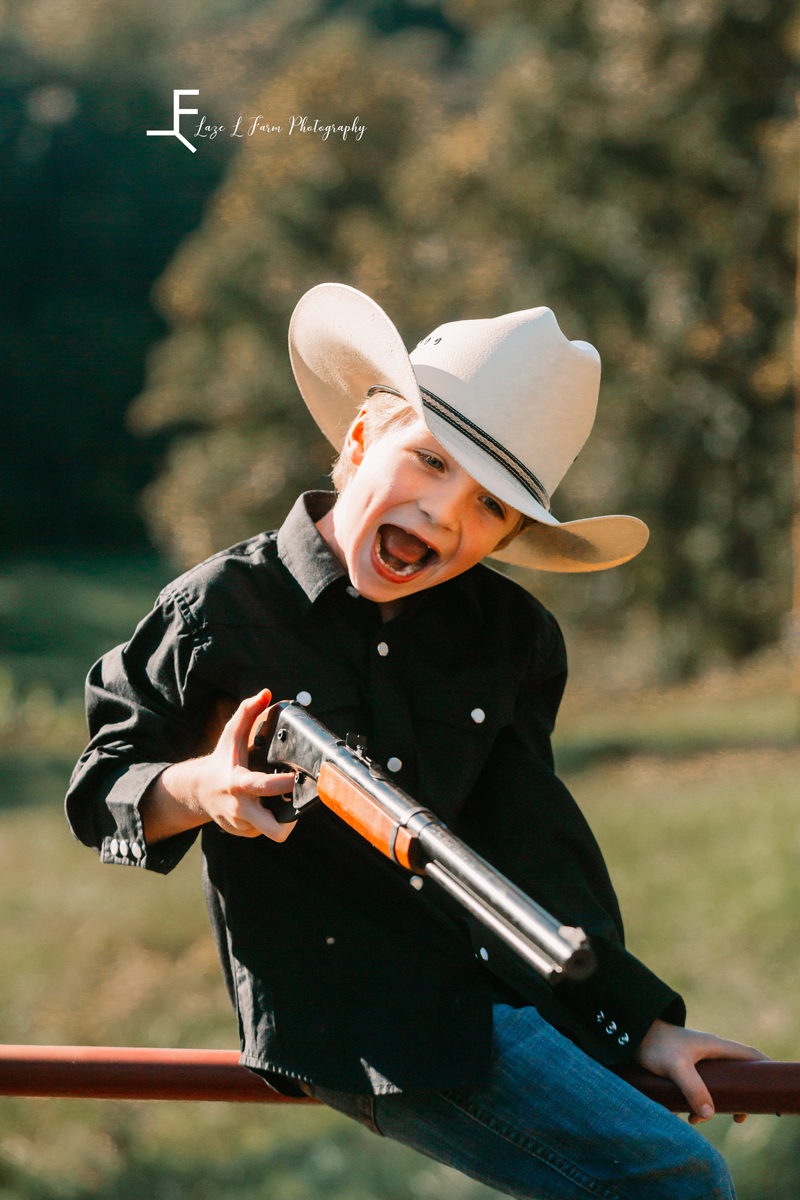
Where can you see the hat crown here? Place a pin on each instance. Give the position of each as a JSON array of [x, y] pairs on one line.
[[519, 380]]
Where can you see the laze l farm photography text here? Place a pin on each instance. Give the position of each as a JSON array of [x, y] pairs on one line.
[[253, 125], [260, 124]]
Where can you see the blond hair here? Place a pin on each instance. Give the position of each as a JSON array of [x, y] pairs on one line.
[[382, 412]]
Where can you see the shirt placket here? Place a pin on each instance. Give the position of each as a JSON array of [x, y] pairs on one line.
[[393, 743]]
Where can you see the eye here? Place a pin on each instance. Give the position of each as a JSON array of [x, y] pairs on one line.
[[430, 460], [494, 506]]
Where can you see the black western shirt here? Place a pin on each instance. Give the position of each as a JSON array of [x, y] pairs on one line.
[[341, 973]]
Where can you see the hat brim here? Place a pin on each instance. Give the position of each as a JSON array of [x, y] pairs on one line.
[[593, 544], [341, 343]]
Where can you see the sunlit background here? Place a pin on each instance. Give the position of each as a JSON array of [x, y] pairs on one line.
[[633, 164]]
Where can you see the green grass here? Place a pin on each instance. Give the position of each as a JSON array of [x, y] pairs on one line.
[[705, 855], [56, 618], [755, 705], [691, 791]]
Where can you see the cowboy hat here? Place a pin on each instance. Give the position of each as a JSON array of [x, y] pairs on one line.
[[510, 398]]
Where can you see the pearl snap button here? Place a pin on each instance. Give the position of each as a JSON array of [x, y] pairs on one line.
[[382, 649], [478, 716], [623, 1039], [416, 882], [611, 1027], [394, 764], [351, 591], [303, 698], [123, 848], [330, 941], [113, 846], [136, 850], [484, 953]]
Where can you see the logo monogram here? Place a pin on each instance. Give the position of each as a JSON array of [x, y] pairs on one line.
[[177, 113]]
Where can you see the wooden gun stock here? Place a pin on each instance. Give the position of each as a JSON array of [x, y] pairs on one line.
[[361, 813]]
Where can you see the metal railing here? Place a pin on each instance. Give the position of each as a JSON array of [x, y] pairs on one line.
[[127, 1073]]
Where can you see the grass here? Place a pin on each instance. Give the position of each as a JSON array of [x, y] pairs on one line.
[[755, 705], [691, 791], [58, 615], [56, 618]]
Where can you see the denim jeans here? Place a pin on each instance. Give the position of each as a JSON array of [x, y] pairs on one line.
[[550, 1124]]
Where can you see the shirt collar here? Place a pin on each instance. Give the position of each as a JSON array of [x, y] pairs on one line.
[[309, 559], [303, 550], [465, 586]]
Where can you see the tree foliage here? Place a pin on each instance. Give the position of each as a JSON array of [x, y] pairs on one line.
[[630, 165]]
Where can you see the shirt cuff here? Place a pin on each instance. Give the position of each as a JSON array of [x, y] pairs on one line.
[[619, 1002], [123, 842]]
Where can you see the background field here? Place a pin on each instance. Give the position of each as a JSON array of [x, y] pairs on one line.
[[692, 792]]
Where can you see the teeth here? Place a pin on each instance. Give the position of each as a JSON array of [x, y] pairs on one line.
[[407, 569]]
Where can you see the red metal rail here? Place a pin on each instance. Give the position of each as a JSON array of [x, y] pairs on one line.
[[123, 1073], [117, 1073]]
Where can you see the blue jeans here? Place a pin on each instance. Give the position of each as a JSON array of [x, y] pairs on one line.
[[550, 1124]]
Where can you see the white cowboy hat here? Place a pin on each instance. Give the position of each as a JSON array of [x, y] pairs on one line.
[[510, 398]]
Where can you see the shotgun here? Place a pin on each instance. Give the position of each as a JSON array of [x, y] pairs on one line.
[[517, 935]]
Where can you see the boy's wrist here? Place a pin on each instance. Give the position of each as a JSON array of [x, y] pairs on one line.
[[172, 802]]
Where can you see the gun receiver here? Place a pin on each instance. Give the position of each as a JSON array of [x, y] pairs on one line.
[[343, 778]]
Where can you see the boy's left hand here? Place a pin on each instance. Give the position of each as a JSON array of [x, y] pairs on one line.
[[672, 1052]]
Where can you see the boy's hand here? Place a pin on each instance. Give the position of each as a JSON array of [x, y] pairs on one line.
[[672, 1052], [229, 792], [219, 787]]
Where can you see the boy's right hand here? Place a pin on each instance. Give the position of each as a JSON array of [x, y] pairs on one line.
[[219, 787]]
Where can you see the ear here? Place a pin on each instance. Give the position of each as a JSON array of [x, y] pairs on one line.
[[355, 444]]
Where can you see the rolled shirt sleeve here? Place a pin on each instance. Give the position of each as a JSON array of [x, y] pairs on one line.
[[146, 708]]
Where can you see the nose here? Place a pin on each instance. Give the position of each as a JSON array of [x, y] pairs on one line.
[[445, 502]]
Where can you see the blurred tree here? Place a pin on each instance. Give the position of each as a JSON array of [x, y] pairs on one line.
[[625, 163], [92, 211], [290, 214], [89, 220]]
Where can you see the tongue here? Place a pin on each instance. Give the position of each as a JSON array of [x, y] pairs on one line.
[[400, 544]]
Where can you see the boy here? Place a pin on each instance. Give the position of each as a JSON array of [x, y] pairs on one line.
[[372, 607]]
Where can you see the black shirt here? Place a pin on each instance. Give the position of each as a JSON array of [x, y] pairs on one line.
[[341, 973]]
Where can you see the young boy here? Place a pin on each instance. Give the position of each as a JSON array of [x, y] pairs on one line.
[[372, 607]]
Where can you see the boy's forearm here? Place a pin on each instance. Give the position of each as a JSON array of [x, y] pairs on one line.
[[170, 804]]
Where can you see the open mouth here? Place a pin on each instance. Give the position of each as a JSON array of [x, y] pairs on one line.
[[401, 555]]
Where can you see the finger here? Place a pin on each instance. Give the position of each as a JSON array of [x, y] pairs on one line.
[[265, 822], [708, 1045], [688, 1080], [255, 783], [240, 829], [728, 1049], [237, 731]]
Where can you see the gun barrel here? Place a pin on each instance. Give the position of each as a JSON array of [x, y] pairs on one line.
[[497, 893], [469, 901], [517, 919]]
